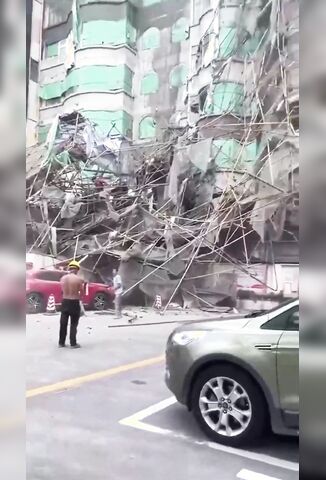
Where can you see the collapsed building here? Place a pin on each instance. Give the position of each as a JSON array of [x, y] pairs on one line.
[[168, 144]]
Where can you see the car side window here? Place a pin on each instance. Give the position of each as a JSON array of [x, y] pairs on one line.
[[50, 276], [293, 321], [58, 276], [281, 322]]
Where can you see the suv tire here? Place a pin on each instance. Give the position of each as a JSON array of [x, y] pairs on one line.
[[35, 303], [256, 405], [101, 302]]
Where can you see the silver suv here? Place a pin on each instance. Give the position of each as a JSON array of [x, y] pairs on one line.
[[239, 375]]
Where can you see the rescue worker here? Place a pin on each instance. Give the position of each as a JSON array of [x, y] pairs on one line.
[[73, 290], [118, 290]]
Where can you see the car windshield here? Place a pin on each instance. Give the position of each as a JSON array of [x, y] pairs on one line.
[[257, 313]]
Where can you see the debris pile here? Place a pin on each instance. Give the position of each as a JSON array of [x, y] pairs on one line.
[[159, 215]]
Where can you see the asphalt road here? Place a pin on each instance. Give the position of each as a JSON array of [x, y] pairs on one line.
[[104, 413]]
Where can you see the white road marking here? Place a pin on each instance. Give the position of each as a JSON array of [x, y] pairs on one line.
[[147, 412], [249, 475], [136, 421]]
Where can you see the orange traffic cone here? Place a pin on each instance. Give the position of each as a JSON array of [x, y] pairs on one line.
[[50, 308]]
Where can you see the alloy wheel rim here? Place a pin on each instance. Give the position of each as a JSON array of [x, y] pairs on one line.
[[99, 302], [34, 301], [225, 406]]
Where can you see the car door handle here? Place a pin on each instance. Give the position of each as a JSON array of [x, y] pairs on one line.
[[266, 347]]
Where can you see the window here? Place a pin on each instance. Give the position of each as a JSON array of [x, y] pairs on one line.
[[147, 128], [52, 102], [55, 49], [50, 275], [288, 320], [228, 97], [293, 321], [150, 84], [228, 42], [107, 32], [151, 39], [34, 70], [178, 76], [202, 97], [294, 116], [52, 50], [202, 50], [180, 30], [42, 133], [148, 3]]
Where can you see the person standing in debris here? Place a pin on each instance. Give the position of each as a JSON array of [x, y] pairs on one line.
[[73, 289], [118, 290]]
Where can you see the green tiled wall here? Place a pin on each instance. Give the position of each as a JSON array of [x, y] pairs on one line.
[[91, 78]]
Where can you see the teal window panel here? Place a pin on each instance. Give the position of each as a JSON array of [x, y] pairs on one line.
[[225, 153], [250, 154], [228, 42], [131, 34], [91, 78], [51, 90], [180, 30], [100, 78], [147, 128], [227, 97], [150, 84], [151, 39], [52, 50], [148, 3], [229, 153], [231, 42], [252, 44], [107, 32], [63, 158], [42, 133], [178, 76], [115, 122]]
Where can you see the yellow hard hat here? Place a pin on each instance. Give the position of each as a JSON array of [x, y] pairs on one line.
[[74, 264]]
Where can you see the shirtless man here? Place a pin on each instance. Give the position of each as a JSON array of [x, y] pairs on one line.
[[73, 289]]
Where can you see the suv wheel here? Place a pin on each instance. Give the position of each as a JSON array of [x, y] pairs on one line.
[[101, 302], [229, 406], [35, 303]]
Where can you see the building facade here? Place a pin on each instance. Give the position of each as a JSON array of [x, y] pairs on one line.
[[34, 34], [123, 64]]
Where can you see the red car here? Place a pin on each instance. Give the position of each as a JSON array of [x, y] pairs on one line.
[[40, 284]]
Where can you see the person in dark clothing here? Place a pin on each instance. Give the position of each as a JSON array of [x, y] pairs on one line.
[[72, 288]]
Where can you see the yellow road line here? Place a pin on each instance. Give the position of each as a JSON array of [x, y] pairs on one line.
[[76, 382]]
